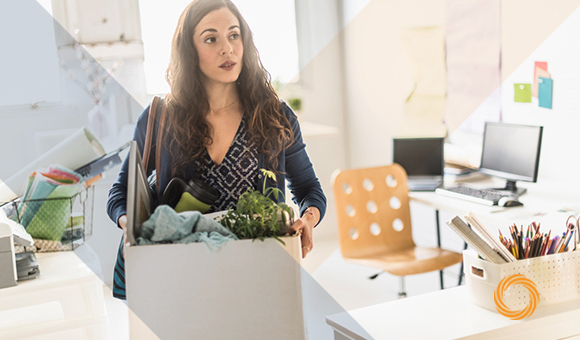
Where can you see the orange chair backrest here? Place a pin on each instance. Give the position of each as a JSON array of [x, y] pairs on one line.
[[372, 206]]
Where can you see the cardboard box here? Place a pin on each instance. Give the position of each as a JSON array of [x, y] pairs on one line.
[[244, 290]]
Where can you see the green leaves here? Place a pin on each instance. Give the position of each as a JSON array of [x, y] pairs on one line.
[[268, 174], [257, 217]]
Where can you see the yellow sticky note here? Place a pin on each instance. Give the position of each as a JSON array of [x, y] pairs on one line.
[[522, 93]]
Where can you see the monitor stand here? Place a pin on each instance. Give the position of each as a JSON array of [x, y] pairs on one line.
[[510, 186]]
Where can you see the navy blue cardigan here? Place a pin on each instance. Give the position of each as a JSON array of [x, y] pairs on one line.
[[293, 165]]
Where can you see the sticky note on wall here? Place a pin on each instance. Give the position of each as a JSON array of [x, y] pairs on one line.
[[545, 86], [522, 93], [538, 72], [542, 65]]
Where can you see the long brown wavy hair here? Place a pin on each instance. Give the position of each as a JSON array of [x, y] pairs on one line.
[[187, 104]]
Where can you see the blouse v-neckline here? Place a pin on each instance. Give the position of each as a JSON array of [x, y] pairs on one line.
[[229, 148]]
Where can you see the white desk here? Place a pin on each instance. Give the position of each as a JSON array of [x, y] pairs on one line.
[[64, 302], [541, 204], [448, 314]]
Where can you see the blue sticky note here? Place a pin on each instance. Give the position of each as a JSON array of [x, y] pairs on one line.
[[545, 92]]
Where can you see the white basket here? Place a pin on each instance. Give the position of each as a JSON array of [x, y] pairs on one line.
[[557, 278]]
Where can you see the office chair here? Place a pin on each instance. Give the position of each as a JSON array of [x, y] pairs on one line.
[[374, 224]]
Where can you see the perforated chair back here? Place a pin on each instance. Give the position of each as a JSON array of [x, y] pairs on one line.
[[373, 211]]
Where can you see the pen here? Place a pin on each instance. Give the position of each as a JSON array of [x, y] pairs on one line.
[[556, 243], [520, 242], [548, 242], [559, 245], [552, 244], [528, 232], [571, 235], [541, 244], [534, 246], [563, 241]]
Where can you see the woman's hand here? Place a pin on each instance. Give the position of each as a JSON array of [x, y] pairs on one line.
[[123, 224], [306, 224]]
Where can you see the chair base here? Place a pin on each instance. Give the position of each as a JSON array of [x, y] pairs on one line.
[[402, 292]]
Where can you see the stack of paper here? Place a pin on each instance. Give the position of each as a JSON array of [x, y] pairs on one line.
[[480, 239]]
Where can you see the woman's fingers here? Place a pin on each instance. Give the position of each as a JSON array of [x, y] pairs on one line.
[[307, 244], [306, 235]]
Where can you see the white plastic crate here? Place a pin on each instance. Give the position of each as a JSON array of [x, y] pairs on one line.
[[557, 278]]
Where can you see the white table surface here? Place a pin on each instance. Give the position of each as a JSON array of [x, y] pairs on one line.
[[55, 268], [542, 203], [67, 298], [449, 314]]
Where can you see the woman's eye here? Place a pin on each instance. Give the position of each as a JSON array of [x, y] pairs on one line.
[[210, 40], [234, 36]]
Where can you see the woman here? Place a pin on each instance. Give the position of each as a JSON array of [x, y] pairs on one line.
[[225, 121]]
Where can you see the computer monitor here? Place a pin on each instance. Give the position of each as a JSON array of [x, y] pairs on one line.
[[419, 156], [512, 152]]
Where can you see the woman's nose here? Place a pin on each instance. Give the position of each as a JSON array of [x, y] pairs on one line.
[[226, 48]]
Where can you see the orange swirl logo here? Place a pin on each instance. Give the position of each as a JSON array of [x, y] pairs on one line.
[[504, 285]]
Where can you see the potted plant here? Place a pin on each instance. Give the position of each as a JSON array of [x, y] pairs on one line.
[[257, 217]]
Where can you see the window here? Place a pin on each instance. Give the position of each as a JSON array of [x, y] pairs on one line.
[[273, 24]]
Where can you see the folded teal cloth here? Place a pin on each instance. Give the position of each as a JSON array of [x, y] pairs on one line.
[[167, 226]]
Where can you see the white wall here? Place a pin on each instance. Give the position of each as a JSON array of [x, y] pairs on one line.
[[378, 74], [320, 88], [553, 38]]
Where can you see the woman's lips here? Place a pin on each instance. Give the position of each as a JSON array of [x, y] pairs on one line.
[[228, 65]]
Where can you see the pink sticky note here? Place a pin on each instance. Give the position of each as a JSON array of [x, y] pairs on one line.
[[538, 72], [541, 64]]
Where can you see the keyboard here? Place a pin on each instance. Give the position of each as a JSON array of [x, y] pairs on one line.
[[483, 196]]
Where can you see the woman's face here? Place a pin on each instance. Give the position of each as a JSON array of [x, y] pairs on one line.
[[218, 41]]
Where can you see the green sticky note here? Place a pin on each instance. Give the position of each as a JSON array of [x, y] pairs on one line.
[[523, 93]]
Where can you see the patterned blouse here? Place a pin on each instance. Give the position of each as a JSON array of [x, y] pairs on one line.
[[236, 173]]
